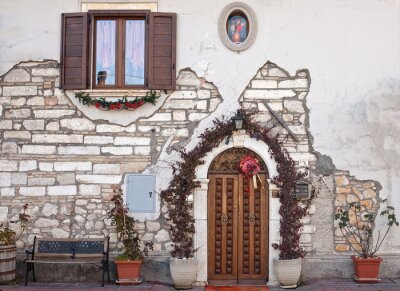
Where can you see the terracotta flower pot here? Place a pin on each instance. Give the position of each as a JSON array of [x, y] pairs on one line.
[[128, 272], [287, 272], [366, 270]]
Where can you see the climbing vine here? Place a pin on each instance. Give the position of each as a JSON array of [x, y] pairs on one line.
[[183, 183]]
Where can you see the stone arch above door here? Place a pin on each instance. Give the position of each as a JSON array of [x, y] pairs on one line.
[[239, 140]]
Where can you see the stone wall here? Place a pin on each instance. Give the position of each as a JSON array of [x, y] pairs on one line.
[[348, 190], [64, 165]]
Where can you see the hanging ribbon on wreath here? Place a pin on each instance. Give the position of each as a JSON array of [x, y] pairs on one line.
[[249, 167]]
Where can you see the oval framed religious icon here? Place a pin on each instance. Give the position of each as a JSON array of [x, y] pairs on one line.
[[237, 26]]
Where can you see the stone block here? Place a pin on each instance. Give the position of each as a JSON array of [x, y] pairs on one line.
[[142, 150], [59, 233], [99, 179], [57, 138], [268, 94], [92, 190], [18, 178], [294, 84], [96, 139], [19, 90], [5, 124], [342, 248], [297, 129], [118, 151], [181, 94], [46, 167], [276, 72], [47, 72], [72, 166], [145, 128], [38, 149], [53, 126], [17, 76], [56, 113], [49, 209], [152, 226], [46, 222], [32, 191], [182, 132], [17, 135], [179, 115], [197, 116], [162, 236], [160, 117], [3, 213], [294, 106], [17, 113], [27, 165], [41, 181], [120, 140], [5, 180], [66, 178], [179, 104], [18, 102], [7, 192], [188, 78], [61, 190], [264, 84], [8, 166], [204, 94], [77, 124], [368, 184], [36, 101], [201, 105], [50, 101], [106, 168], [35, 124], [9, 147], [369, 193], [78, 150], [109, 128]]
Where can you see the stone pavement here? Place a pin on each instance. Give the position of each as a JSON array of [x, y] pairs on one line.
[[318, 285]]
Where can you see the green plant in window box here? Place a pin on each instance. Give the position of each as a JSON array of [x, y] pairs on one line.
[[129, 262]]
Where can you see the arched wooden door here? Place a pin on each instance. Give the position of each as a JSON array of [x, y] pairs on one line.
[[237, 222]]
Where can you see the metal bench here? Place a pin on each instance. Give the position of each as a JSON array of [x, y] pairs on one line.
[[68, 251]]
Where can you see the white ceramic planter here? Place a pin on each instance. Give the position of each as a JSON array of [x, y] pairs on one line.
[[287, 272], [183, 272]]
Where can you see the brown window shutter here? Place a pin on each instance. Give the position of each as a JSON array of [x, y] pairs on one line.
[[162, 51], [74, 51]]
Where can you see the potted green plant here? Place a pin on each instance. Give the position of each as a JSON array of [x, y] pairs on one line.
[[359, 235], [8, 237], [128, 263]]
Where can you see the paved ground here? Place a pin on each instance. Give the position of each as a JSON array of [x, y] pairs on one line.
[[320, 285]]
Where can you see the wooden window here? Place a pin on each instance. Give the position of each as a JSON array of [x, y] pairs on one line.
[[130, 49]]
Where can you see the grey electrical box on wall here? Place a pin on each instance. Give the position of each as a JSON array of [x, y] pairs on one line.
[[140, 194]]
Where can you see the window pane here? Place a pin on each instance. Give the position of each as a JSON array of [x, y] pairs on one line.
[[105, 52], [134, 52]]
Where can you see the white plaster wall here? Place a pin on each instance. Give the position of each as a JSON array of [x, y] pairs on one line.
[[350, 47]]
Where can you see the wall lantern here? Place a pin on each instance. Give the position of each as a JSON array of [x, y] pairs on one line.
[[302, 190], [239, 120]]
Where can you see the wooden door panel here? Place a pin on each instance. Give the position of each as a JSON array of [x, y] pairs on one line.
[[237, 228], [222, 232]]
